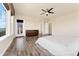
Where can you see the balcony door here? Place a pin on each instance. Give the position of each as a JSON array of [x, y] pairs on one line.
[[19, 27]]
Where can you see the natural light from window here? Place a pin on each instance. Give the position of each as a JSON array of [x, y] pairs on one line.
[[2, 20]]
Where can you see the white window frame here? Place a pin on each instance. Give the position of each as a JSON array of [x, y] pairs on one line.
[[8, 15]]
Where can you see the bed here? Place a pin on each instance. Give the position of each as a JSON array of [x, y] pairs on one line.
[[60, 45]]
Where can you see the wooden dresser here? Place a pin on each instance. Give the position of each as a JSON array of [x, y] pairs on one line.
[[30, 33]]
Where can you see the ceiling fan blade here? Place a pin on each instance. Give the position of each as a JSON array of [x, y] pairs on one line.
[[43, 10], [42, 13], [51, 12], [50, 9]]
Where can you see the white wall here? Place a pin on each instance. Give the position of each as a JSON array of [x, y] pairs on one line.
[[67, 25], [30, 23], [12, 25], [64, 25]]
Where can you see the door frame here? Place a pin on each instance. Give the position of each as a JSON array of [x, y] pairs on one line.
[[17, 28]]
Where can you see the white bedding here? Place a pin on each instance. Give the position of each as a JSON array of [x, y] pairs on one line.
[[60, 46]]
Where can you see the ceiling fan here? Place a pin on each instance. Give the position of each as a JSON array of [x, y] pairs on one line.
[[47, 11]]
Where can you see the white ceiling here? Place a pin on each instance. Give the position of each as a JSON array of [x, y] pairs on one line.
[[34, 9]]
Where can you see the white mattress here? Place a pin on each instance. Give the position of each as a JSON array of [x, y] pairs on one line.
[[60, 46]]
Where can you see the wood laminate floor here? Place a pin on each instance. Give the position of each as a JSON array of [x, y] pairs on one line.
[[22, 46]]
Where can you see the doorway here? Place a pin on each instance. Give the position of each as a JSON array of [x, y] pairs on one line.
[[19, 27]]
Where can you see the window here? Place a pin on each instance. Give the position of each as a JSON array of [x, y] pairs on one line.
[[2, 20]]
